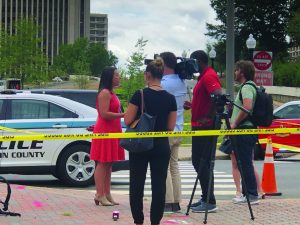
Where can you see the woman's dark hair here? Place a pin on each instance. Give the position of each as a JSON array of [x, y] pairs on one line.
[[156, 68], [247, 68], [106, 78]]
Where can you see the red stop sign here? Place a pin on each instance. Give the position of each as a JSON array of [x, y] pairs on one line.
[[262, 60]]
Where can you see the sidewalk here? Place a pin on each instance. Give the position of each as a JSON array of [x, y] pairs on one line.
[[43, 206]]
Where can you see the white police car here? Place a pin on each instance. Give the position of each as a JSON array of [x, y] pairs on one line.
[[68, 160]]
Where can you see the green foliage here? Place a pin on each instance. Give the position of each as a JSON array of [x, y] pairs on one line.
[[82, 81], [287, 73], [133, 78], [293, 25], [83, 57], [20, 53], [266, 20]]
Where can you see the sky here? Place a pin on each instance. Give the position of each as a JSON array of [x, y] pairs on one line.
[[168, 25]]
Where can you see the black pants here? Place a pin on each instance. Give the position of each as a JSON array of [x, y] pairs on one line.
[[245, 147], [158, 158], [201, 159]]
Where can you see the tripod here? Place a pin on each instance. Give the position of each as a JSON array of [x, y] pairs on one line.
[[220, 102], [5, 211]]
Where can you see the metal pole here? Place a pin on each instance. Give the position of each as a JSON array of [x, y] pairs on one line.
[[230, 48]]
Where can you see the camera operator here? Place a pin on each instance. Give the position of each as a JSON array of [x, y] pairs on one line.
[[203, 114], [177, 87], [244, 73]]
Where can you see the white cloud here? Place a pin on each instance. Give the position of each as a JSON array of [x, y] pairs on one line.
[[168, 25]]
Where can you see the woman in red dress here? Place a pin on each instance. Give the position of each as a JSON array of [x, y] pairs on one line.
[[106, 151]]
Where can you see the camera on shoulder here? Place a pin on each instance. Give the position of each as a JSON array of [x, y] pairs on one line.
[[185, 67]]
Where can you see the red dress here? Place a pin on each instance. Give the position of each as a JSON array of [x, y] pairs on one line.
[[108, 150]]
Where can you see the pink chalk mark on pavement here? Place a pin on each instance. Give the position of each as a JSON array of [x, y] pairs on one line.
[[170, 222], [38, 204], [178, 216], [20, 187]]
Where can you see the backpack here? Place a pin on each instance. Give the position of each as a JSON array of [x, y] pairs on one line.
[[262, 114]]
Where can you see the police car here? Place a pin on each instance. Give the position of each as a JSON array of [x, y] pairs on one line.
[[285, 116], [27, 113]]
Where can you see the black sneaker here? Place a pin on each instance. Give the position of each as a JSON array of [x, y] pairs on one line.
[[196, 204], [202, 208], [168, 208], [176, 207]]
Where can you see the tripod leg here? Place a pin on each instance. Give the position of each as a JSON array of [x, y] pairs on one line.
[[234, 144], [193, 193], [211, 173], [217, 126]]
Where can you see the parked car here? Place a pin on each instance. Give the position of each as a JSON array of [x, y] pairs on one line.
[[87, 97], [57, 79], [285, 116], [67, 160]]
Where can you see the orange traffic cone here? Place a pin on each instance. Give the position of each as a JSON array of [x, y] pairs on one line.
[[268, 179]]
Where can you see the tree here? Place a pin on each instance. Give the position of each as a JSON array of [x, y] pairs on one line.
[[72, 55], [99, 57], [133, 78], [266, 20], [93, 56], [293, 24], [20, 53]]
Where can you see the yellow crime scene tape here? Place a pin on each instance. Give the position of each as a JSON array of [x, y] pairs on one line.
[[289, 123], [280, 146], [19, 131], [148, 134]]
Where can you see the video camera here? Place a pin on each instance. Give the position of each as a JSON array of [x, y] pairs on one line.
[[185, 68], [220, 101]]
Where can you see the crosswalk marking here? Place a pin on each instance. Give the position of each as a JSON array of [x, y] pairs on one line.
[[224, 184]]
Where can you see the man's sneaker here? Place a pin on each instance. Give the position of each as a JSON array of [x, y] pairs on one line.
[[168, 208], [196, 204], [176, 207], [261, 196], [202, 208], [243, 200], [238, 198]]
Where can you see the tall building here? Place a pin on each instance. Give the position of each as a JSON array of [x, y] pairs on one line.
[[61, 21], [99, 28], [294, 52]]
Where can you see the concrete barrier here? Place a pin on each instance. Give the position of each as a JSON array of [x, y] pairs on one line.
[[283, 94]]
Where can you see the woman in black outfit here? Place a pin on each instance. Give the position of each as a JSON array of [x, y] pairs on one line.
[[162, 105]]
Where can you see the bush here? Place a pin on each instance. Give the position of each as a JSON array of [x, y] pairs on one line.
[[287, 73], [82, 81]]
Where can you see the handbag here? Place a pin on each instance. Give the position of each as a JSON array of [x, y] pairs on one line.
[[226, 146], [145, 123]]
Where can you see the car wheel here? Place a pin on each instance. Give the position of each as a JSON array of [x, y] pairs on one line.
[[259, 153], [75, 167]]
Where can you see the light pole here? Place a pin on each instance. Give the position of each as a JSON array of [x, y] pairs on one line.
[[212, 55], [251, 43]]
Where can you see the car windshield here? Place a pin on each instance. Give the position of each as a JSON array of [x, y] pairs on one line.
[[288, 112]]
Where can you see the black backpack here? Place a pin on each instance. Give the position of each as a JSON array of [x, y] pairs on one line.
[[262, 114]]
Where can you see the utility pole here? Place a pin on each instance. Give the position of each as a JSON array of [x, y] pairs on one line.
[[230, 48]]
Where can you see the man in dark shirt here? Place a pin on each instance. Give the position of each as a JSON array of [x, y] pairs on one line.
[[203, 113]]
